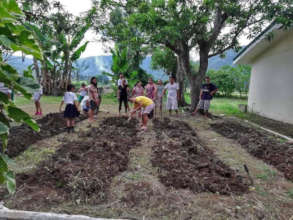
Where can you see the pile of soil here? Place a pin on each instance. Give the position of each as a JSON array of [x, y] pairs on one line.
[[185, 163], [260, 144], [21, 137], [80, 171]]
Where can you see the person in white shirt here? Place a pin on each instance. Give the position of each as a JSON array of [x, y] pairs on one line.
[[82, 92], [85, 104], [71, 109], [121, 77], [173, 95], [37, 97]]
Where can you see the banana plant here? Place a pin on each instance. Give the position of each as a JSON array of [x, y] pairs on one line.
[[16, 37]]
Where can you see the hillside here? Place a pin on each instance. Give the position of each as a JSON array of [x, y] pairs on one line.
[[217, 62], [91, 66]]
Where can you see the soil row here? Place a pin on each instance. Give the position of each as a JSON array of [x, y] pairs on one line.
[[21, 137], [184, 163], [80, 171], [259, 144]]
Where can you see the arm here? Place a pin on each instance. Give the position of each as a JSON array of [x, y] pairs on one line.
[[155, 92], [214, 91], [135, 109], [61, 104], [133, 92], [76, 103], [164, 92]]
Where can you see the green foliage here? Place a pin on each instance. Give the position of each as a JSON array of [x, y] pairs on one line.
[[15, 37], [164, 58], [231, 79], [121, 65]]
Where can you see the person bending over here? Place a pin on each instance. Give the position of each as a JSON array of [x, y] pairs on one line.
[[207, 92], [146, 105]]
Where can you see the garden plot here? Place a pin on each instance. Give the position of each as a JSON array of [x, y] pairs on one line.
[[185, 163], [80, 171], [260, 144], [21, 137]]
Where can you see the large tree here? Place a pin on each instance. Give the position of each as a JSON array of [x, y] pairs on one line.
[[208, 26]]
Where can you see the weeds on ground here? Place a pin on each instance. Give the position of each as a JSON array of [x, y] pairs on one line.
[[267, 174], [290, 193]]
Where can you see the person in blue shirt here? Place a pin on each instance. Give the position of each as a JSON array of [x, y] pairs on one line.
[[207, 92]]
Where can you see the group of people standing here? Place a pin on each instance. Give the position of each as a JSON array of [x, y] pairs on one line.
[[148, 100], [153, 91], [89, 101]]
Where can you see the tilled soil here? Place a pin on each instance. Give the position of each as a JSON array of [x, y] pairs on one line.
[[21, 137], [80, 171], [184, 163], [259, 144]]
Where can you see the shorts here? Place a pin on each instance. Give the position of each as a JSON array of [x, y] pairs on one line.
[[204, 104], [148, 109], [93, 105], [37, 96], [80, 98], [172, 103]]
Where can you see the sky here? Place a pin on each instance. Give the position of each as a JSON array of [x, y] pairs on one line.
[[96, 48]]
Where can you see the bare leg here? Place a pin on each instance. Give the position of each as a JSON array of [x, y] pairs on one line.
[[195, 111], [36, 105], [144, 121], [91, 116], [39, 107]]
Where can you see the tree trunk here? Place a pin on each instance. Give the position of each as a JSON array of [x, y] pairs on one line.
[[37, 69], [180, 80], [195, 80]]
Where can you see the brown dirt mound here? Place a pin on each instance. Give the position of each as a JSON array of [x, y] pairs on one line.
[[185, 163], [260, 144], [21, 137], [80, 171]]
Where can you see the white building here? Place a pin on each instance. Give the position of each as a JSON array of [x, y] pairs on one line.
[[271, 85]]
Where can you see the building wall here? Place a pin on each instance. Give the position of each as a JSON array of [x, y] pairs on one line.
[[271, 84]]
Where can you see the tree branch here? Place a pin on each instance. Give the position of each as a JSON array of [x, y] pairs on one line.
[[172, 47]]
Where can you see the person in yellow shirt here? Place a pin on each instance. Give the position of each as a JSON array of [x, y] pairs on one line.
[[146, 105]]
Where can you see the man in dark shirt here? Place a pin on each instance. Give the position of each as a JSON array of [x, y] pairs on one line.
[[206, 95]]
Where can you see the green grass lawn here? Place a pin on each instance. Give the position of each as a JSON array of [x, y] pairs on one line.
[[227, 106], [21, 101]]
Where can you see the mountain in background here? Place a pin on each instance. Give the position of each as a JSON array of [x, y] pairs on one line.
[[92, 66], [217, 62]]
